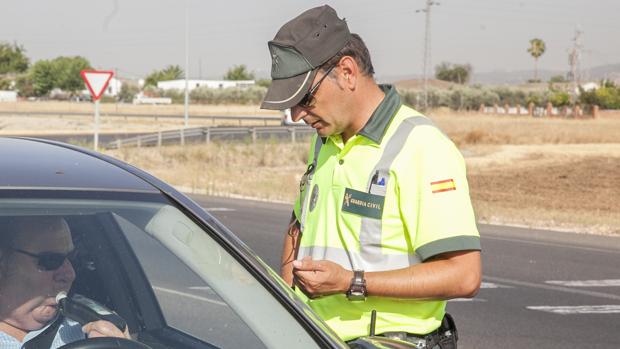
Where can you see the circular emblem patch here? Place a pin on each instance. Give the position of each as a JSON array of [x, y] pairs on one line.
[[314, 196]]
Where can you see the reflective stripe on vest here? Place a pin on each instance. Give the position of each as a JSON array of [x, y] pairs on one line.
[[371, 256], [370, 230], [305, 201]]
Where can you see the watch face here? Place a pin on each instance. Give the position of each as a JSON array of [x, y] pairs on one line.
[[356, 295]]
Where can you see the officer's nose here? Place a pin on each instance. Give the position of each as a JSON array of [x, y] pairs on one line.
[[298, 113]]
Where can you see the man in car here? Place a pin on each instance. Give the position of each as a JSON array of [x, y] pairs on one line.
[[384, 223], [34, 268]]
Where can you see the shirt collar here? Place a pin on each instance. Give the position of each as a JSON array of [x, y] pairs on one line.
[[380, 119]]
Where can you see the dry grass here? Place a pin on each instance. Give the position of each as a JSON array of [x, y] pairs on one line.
[[555, 173], [465, 129], [264, 170], [176, 109]]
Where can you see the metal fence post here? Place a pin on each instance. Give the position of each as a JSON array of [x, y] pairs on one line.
[[208, 135], [139, 141], [159, 139], [118, 144], [253, 133], [293, 134], [182, 134]]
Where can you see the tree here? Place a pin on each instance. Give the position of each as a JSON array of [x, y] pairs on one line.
[[13, 59], [537, 48], [61, 72], [238, 72], [459, 73], [24, 85], [42, 76], [66, 71], [128, 92], [171, 72], [557, 79]]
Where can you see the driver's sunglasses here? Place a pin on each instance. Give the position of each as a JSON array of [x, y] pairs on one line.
[[309, 100], [49, 261]]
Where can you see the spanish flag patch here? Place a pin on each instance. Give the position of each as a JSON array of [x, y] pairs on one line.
[[441, 186]]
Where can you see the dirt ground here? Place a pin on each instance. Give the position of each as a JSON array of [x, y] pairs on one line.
[[566, 187]]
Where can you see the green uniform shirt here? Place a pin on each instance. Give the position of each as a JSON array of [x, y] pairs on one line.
[[393, 196]]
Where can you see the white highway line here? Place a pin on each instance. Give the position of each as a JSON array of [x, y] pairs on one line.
[[586, 283], [580, 309], [467, 300], [219, 209], [530, 242], [493, 285], [183, 294], [554, 288]]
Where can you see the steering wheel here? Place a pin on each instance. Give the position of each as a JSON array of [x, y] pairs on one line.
[[105, 343]]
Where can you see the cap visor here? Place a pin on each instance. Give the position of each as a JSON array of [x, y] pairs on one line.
[[286, 93]]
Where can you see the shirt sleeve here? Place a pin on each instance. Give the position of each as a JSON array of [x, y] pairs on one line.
[[437, 208]]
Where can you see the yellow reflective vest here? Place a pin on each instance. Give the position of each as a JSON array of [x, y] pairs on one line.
[[394, 195]]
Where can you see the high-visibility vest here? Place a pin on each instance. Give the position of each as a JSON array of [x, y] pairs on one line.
[[384, 205]]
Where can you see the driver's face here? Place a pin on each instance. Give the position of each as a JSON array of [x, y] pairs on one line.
[[28, 293]]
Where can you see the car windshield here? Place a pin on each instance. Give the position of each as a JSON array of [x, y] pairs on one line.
[[159, 269]]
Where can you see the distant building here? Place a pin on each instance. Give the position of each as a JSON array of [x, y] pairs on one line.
[[114, 87], [192, 84], [8, 96]]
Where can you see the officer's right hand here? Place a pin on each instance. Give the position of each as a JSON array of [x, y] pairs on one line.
[[321, 278]]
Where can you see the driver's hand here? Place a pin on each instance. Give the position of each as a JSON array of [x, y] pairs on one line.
[[103, 328]]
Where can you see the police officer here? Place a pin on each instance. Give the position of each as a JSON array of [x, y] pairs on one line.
[[383, 231]]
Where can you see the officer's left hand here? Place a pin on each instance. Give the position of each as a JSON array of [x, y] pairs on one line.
[[320, 278]]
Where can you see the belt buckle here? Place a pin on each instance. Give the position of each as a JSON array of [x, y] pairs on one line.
[[418, 342]]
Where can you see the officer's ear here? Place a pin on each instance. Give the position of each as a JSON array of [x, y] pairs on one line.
[[348, 72]]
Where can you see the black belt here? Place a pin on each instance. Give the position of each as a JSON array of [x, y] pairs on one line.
[[445, 332]]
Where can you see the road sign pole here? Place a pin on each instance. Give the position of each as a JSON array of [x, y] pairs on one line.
[[96, 141]]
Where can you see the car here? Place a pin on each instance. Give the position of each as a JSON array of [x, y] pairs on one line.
[[287, 120], [175, 274]]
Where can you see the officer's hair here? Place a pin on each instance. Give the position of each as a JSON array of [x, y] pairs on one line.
[[357, 49]]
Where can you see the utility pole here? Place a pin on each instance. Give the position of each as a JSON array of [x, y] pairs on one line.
[[574, 59], [186, 66], [427, 46]]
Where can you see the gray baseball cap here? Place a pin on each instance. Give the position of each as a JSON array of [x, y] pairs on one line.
[[298, 49]]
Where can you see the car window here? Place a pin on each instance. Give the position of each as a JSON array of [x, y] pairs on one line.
[[200, 288], [188, 303]]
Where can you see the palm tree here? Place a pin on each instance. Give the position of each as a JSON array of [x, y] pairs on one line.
[[537, 48]]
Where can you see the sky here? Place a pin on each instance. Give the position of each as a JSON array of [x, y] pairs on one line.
[[135, 37]]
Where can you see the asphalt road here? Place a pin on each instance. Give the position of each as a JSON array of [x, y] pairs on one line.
[[541, 289]]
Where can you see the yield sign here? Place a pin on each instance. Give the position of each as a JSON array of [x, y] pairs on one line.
[[96, 81]]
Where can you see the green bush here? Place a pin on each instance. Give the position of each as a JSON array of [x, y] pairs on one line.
[[231, 95], [559, 99]]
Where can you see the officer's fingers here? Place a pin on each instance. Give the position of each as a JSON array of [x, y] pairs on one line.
[[305, 264]]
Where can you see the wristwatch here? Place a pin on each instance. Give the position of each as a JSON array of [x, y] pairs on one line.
[[357, 291]]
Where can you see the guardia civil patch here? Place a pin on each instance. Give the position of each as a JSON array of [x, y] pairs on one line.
[[444, 185], [362, 203]]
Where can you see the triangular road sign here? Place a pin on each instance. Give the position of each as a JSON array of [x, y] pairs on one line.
[[96, 81]]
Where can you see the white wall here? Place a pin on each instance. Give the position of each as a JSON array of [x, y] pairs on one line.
[[8, 96], [192, 84]]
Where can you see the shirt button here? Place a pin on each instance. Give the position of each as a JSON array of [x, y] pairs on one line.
[[341, 161]]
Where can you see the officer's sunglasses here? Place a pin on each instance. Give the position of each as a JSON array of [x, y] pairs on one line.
[[309, 100], [49, 261]]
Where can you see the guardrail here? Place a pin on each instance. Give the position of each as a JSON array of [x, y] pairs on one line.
[[238, 118], [208, 134]]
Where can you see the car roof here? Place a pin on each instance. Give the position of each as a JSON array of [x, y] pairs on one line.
[[27, 163]]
